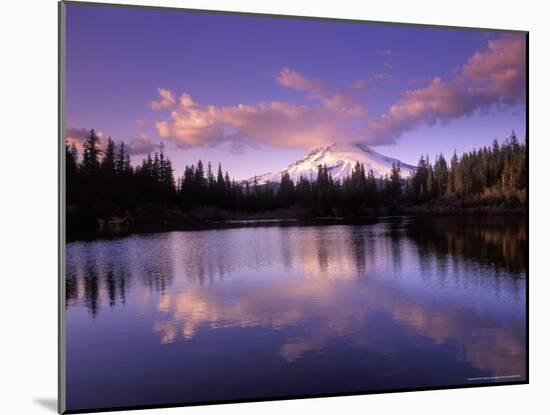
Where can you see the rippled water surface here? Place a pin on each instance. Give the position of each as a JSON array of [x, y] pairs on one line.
[[272, 311]]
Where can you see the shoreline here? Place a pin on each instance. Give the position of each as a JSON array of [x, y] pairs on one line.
[[123, 227]]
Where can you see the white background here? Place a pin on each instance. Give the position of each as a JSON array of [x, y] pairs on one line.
[[28, 204]]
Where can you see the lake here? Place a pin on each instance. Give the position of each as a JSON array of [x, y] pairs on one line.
[[277, 311]]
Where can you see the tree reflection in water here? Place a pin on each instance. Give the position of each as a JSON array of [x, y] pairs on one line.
[[398, 289]]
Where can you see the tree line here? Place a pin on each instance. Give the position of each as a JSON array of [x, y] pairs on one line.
[[104, 183]]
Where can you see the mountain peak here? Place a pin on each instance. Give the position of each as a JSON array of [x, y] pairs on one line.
[[340, 158]]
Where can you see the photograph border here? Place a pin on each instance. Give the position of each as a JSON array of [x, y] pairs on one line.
[[62, 207]]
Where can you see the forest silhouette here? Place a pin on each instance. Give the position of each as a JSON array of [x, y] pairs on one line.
[[105, 193]]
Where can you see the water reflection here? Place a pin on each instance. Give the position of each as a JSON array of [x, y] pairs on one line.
[[500, 242], [341, 310], [390, 292]]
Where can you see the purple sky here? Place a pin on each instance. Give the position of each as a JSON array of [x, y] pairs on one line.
[[257, 93]]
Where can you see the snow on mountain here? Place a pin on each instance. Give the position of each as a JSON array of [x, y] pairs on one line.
[[340, 160]]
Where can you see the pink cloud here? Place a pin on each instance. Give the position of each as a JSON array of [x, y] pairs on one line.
[[499, 71], [292, 79], [495, 76], [166, 100], [319, 90], [491, 77], [276, 123], [77, 136]]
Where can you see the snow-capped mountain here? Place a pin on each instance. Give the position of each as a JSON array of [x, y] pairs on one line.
[[340, 160]]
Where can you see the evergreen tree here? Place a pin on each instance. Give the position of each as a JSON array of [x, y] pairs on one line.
[[420, 179], [395, 181], [286, 195], [371, 189], [210, 177], [451, 182], [71, 159], [120, 159], [91, 153], [441, 175], [108, 161], [71, 172]]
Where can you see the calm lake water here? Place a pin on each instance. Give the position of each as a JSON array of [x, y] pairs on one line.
[[271, 311]]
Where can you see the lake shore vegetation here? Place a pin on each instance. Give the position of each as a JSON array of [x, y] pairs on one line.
[[106, 193]]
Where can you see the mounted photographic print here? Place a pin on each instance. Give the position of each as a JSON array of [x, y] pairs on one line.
[[258, 207]]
